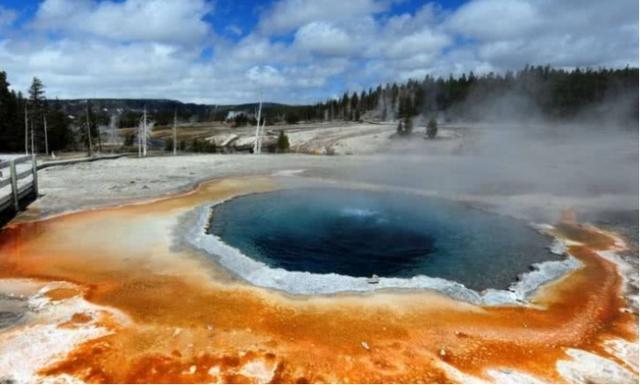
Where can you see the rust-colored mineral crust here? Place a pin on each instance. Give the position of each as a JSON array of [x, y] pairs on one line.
[[191, 322]]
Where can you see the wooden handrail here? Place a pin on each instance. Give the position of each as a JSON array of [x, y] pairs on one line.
[[18, 192], [23, 174], [14, 185], [5, 163]]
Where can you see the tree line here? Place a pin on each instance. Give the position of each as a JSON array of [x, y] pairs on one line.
[[30, 123], [555, 93]]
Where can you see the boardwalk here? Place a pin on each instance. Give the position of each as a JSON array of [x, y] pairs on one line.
[[18, 184]]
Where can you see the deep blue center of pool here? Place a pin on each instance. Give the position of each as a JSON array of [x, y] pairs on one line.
[[361, 233]]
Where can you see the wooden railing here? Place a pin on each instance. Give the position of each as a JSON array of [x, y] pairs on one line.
[[18, 191]]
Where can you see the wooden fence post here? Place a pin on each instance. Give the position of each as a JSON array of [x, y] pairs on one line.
[[34, 170], [14, 185]]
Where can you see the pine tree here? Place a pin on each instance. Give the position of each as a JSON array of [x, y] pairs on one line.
[[283, 142], [355, 105], [408, 125], [432, 128], [36, 110], [89, 133], [557, 93], [36, 93], [11, 125], [58, 127]]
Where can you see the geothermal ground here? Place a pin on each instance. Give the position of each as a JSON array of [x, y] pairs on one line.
[[100, 283]]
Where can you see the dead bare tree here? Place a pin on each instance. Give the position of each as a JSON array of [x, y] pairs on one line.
[[26, 129], [89, 130], [175, 135], [144, 133], [46, 138], [33, 146], [256, 143], [261, 135]]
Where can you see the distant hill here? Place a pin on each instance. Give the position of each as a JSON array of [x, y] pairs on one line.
[[153, 106], [128, 111]]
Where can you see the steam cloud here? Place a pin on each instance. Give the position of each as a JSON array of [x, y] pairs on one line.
[[519, 162]]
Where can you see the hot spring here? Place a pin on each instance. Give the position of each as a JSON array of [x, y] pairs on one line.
[[328, 239]]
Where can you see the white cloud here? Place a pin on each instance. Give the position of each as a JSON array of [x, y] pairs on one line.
[[422, 42], [324, 38], [512, 33], [495, 19], [267, 76], [253, 49], [288, 15], [316, 73], [136, 48], [174, 21]]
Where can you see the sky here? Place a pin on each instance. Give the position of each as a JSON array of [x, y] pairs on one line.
[[296, 51]]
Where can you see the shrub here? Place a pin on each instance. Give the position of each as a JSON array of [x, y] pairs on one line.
[[199, 145]]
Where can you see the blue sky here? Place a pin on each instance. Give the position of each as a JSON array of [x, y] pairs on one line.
[[296, 51], [245, 14]]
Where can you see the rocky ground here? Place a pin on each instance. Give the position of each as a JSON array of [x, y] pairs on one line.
[[535, 180], [312, 138], [355, 146]]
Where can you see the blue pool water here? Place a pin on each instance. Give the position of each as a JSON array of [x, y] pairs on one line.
[[361, 233]]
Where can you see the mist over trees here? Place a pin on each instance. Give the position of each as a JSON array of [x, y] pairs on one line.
[[549, 93]]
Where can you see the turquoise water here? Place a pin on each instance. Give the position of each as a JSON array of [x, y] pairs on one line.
[[361, 233]]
